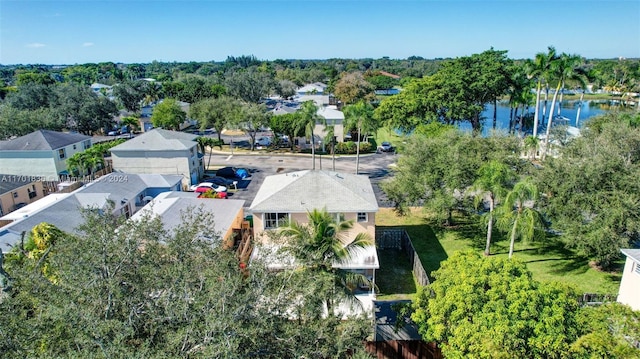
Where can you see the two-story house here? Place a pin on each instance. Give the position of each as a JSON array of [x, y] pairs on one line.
[[160, 152], [42, 154], [291, 196]]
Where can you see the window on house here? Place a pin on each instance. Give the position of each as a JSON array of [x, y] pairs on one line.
[[637, 267], [275, 220], [15, 194], [362, 217], [1, 211], [86, 144], [61, 153], [74, 147], [340, 217]]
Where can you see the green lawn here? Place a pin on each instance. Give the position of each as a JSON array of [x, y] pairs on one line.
[[547, 260]]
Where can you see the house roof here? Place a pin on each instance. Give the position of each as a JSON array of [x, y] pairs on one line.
[[42, 140], [65, 212], [169, 206], [634, 254], [331, 113], [158, 140], [319, 100], [303, 191], [317, 86], [10, 182], [393, 76]]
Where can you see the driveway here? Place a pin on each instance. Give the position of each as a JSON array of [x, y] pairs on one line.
[[376, 166]]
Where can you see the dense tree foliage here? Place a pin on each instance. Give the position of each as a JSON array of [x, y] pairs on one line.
[[215, 113], [458, 92], [135, 289], [490, 307], [82, 110], [591, 189], [438, 172], [168, 115]]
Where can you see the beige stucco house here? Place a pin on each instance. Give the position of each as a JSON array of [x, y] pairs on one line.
[[18, 191], [42, 154], [629, 292], [160, 152], [291, 196]]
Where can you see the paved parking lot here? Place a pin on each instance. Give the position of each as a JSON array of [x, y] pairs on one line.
[[376, 166]]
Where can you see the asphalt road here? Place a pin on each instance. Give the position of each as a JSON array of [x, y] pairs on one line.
[[376, 166]]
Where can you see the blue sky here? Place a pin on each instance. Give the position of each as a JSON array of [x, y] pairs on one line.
[[130, 31]]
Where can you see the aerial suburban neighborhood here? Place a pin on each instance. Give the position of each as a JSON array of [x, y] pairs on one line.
[[469, 204]]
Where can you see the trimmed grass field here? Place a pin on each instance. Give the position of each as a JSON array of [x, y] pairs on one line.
[[548, 260]]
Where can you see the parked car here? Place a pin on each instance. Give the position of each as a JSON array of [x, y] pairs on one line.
[[206, 186], [221, 181], [263, 141], [386, 147], [232, 172]]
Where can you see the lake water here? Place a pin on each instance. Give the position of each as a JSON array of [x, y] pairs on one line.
[[568, 109]]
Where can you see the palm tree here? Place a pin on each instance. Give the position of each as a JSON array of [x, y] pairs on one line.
[[310, 117], [564, 68], [539, 68], [517, 215], [493, 179], [360, 116], [321, 244]]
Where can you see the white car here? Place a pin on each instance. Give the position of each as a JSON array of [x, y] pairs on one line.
[[205, 186]]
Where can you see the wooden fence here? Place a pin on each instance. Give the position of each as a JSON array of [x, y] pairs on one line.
[[399, 239], [403, 349]]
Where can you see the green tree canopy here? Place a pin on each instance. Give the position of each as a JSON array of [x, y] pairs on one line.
[[168, 114], [215, 112], [490, 307], [592, 188], [136, 289]]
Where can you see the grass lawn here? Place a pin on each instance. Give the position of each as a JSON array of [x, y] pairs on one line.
[[548, 261]]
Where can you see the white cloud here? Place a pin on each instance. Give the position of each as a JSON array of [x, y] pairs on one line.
[[36, 45], [87, 44]]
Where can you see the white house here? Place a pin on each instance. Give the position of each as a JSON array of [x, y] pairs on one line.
[[629, 292], [41, 154], [160, 152], [316, 88], [333, 117]]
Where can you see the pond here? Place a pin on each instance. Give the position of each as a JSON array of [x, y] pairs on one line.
[[568, 109]]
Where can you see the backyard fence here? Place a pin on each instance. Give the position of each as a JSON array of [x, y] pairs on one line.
[[399, 239]]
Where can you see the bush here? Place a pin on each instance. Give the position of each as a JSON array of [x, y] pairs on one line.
[[349, 148]]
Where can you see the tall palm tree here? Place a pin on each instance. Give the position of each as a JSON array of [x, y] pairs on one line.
[[566, 67], [309, 118], [494, 178], [322, 243], [538, 69], [360, 116], [517, 215]]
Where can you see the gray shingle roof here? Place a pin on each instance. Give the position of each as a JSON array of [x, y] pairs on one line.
[[66, 213], [303, 191], [42, 140], [158, 140], [10, 182], [634, 254]]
